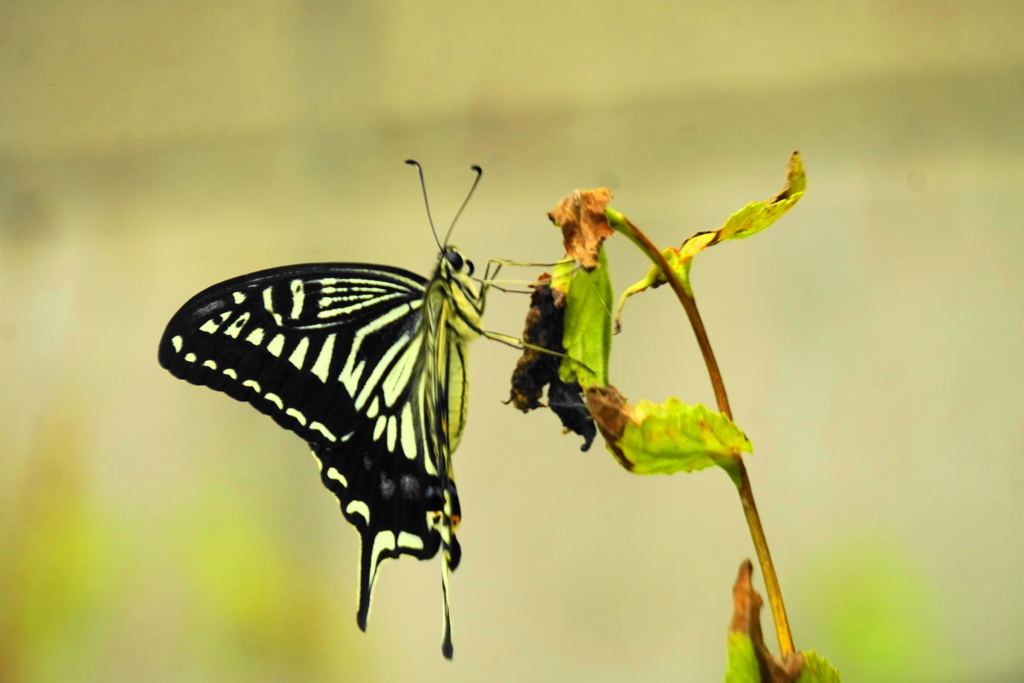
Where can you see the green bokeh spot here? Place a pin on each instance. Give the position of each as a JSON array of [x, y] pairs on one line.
[[876, 611]]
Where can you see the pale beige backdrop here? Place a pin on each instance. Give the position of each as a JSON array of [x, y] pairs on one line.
[[871, 341]]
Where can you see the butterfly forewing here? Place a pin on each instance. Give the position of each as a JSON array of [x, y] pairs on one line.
[[300, 343], [367, 364]]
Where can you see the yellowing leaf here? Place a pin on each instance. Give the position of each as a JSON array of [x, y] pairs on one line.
[[755, 217], [749, 220], [678, 260], [664, 438]]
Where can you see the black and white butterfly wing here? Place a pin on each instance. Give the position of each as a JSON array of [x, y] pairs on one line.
[[336, 354]]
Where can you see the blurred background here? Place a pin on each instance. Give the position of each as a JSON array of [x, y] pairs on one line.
[[871, 340]]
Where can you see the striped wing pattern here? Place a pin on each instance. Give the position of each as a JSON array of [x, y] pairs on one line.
[[367, 364]]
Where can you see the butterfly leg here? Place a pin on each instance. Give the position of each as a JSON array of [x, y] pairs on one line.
[[517, 343], [494, 266], [499, 262]]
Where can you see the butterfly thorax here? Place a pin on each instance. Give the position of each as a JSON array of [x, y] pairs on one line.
[[452, 313]]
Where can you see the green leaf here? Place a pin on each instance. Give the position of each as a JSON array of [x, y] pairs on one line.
[[817, 670], [742, 665], [587, 337], [663, 438]]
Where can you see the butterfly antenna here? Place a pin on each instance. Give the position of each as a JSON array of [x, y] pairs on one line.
[[426, 202], [479, 173]]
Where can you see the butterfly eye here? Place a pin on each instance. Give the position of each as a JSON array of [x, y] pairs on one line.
[[454, 258], [469, 267]]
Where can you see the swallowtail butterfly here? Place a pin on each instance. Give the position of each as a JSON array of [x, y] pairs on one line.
[[367, 364]]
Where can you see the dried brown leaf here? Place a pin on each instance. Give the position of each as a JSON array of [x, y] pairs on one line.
[[611, 412], [584, 226], [795, 180], [746, 619]]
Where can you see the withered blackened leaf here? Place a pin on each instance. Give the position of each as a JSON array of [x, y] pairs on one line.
[[535, 369], [544, 329], [566, 400]]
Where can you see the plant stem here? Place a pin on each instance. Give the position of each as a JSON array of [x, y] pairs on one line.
[[764, 558], [742, 481], [690, 306]]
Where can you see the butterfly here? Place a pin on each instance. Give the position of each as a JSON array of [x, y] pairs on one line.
[[367, 364]]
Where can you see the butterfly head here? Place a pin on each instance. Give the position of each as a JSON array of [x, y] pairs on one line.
[[451, 260]]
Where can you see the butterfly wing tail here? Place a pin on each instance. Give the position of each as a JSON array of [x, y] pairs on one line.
[[446, 639]]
